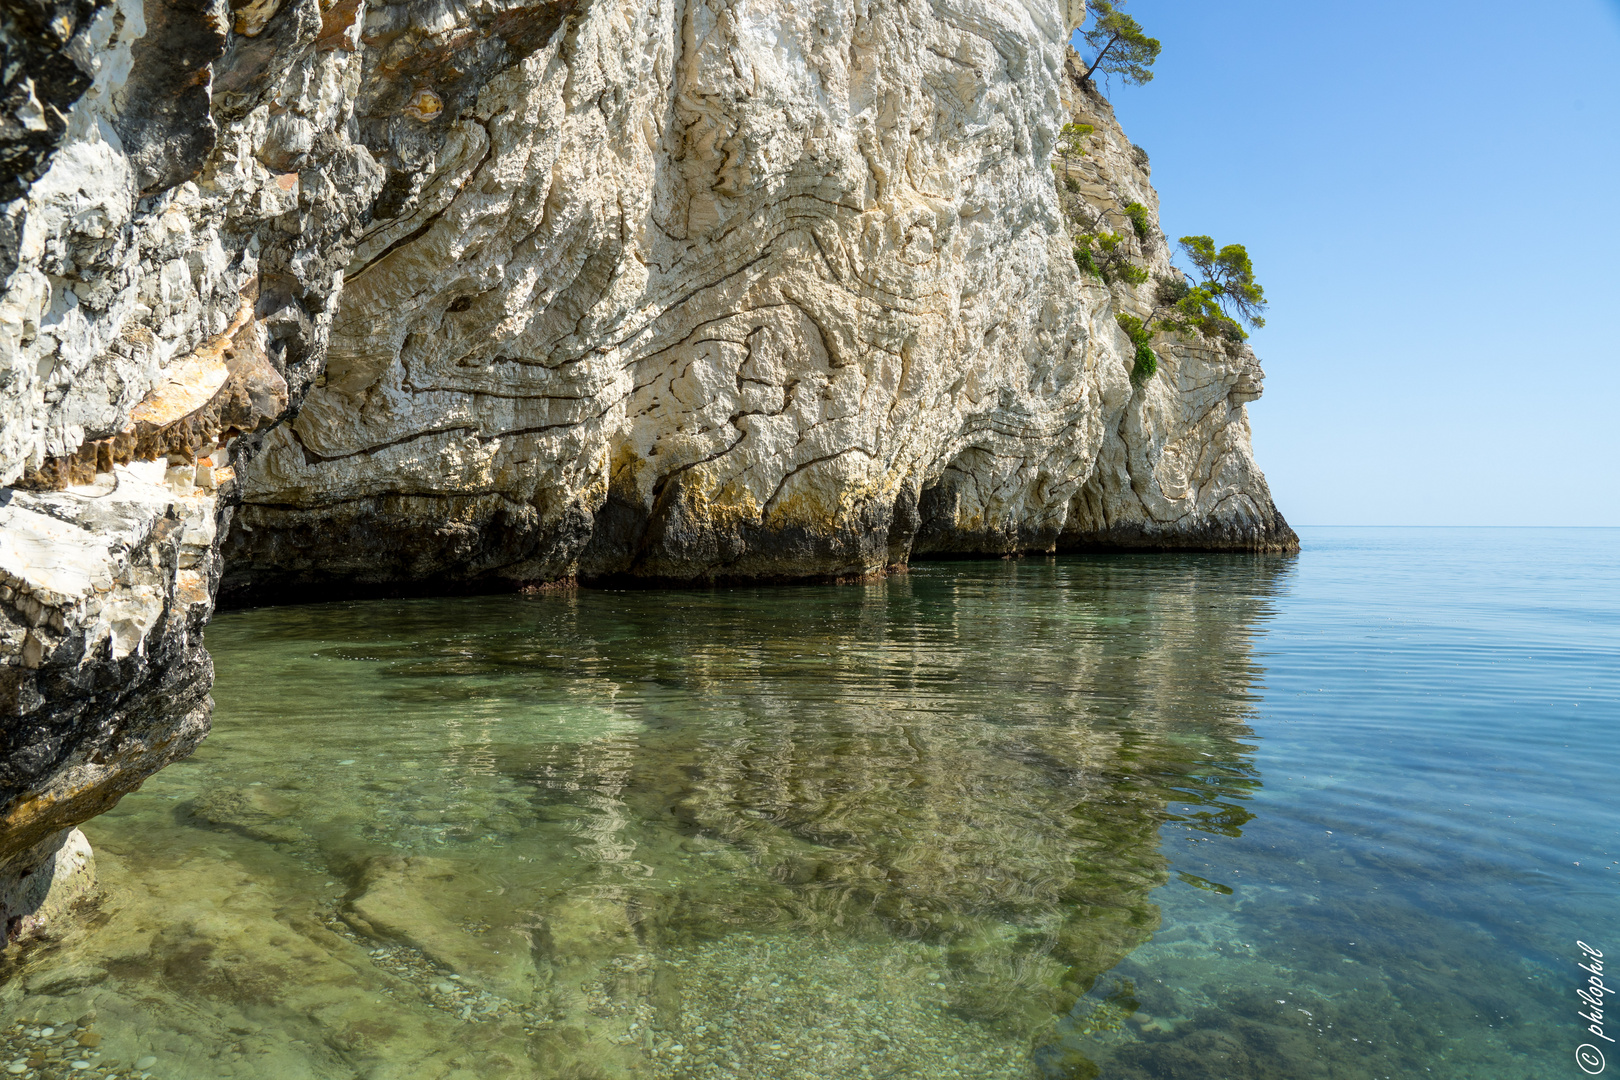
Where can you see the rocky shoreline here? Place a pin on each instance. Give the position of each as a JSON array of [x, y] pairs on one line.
[[311, 299]]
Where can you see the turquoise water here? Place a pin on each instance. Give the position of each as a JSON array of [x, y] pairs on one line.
[[1340, 816]]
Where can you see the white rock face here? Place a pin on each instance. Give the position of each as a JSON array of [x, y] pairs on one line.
[[41, 886], [104, 591], [740, 289], [110, 288]]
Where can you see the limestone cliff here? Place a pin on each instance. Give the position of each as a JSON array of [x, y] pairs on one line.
[[1176, 468], [181, 184], [451, 296], [734, 290]]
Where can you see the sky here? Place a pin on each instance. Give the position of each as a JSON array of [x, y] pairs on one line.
[[1430, 191]]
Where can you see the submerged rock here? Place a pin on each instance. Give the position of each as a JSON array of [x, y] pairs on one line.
[[40, 889], [429, 903], [815, 877]]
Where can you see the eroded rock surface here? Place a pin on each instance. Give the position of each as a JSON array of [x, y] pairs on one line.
[[166, 288], [739, 290], [1176, 468]]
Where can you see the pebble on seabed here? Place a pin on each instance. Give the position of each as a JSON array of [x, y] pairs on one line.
[[34, 1050]]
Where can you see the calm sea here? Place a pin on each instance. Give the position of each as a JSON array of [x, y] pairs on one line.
[[1348, 815]]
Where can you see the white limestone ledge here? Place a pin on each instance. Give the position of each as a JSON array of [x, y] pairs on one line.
[[82, 563]]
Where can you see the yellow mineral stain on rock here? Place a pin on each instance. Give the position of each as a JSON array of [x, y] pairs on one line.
[[812, 502], [191, 587], [627, 471], [30, 820], [339, 25], [806, 508], [721, 503], [252, 16], [189, 386], [424, 106]]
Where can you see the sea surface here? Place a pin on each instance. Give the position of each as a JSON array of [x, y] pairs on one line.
[[1346, 815]]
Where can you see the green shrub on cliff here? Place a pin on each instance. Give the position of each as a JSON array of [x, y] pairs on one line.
[[1216, 303], [1072, 143], [1229, 277], [1086, 261], [1105, 255], [1147, 361], [1140, 221], [1122, 47]]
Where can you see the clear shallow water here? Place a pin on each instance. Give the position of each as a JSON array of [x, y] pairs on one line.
[[1341, 816]]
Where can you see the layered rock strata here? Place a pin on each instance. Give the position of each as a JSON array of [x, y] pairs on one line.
[[1176, 469], [670, 289], [728, 291]]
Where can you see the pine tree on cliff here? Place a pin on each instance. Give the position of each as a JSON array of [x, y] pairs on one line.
[[1122, 47], [1218, 301]]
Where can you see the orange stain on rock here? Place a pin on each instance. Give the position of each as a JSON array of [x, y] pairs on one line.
[[424, 106]]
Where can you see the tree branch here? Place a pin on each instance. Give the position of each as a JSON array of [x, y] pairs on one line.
[[1102, 53]]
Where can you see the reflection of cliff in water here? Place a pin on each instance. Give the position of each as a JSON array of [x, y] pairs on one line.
[[945, 760], [793, 831]]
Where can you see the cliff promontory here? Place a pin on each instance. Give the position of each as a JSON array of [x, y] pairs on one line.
[[316, 297]]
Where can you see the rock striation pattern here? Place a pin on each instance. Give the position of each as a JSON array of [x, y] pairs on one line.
[[738, 290], [351, 294], [1176, 469]]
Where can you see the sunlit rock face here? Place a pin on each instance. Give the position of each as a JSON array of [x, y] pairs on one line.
[[1176, 469], [704, 290], [698, 290]]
